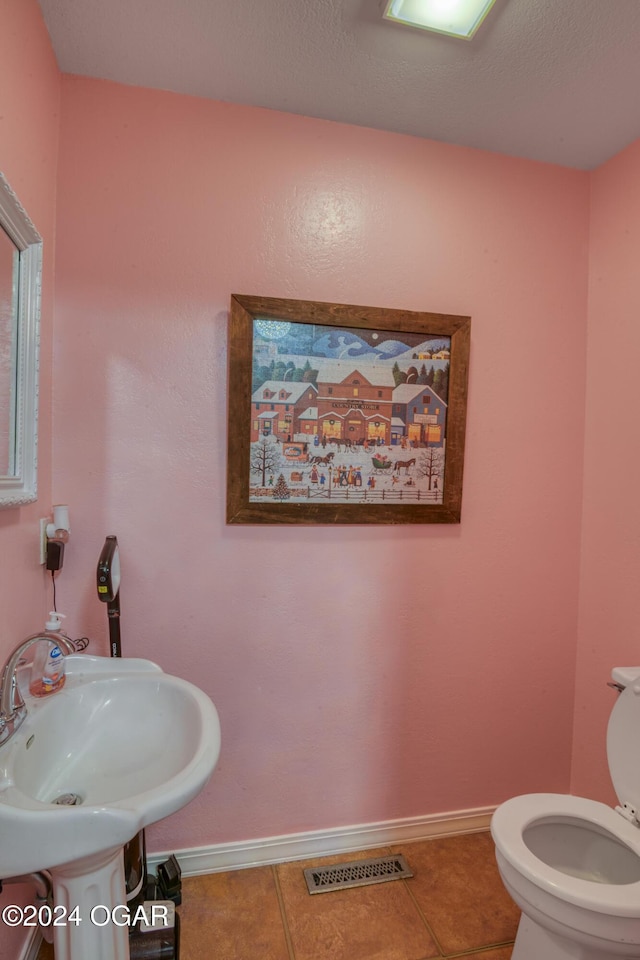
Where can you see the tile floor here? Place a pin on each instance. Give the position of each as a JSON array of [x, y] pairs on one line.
[[453, 906]]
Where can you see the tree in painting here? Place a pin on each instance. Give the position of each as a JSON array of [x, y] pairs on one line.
[[281, 491], [264, 459], [430, 465]]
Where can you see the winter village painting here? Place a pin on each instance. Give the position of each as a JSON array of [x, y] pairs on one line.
[[348, 414]]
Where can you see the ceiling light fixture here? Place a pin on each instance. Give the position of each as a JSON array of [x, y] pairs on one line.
[[455, 18]]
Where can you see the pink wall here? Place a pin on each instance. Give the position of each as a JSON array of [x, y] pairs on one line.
[[609, 616], [361, 674], [29, 119], [29, 105]]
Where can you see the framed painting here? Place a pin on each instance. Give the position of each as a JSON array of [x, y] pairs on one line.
[[344, 414]]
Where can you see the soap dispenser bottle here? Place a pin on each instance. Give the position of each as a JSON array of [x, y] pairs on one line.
[[47, 671]]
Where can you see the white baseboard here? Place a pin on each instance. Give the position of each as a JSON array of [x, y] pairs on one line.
[[322, 843]]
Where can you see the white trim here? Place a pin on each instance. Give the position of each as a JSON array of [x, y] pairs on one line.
[[20, 486], [322, 843]]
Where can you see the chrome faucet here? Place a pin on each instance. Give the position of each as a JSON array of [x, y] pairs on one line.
[[12, 707]]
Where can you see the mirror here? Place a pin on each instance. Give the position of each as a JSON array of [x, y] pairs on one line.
[[20, 279]]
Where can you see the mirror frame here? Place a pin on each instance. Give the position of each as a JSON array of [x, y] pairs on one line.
[[22, 485]]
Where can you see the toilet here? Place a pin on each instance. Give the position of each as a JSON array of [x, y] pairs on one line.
[[572, 865]]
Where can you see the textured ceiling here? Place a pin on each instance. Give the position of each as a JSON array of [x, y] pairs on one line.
[[551, 80]]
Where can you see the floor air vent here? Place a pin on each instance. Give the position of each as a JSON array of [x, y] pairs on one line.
[[357, 873]]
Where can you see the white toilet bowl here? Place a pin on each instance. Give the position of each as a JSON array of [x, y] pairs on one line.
[[573, 865]]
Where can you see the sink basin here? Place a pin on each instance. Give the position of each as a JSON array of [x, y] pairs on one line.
[[132, 743]]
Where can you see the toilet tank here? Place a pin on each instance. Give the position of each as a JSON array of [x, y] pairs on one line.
[[625, 676]]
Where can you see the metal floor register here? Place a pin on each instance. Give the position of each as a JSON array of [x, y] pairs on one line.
[[356, 873]]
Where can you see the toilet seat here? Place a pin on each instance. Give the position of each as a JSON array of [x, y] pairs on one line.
[[512, 818], [622, 743]]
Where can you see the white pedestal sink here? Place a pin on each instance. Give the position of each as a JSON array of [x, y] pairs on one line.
[[135, 745]]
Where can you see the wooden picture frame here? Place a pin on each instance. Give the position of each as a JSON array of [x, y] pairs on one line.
[[344, 414]]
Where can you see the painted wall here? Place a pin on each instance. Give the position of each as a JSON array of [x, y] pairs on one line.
[[29, 117], [361, 674], [346, 693], [609, 607]]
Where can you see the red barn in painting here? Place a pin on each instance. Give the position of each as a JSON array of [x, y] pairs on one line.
[[354, 407]]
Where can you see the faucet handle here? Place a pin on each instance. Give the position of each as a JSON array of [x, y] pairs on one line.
[[9, 723], [17, 699]]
